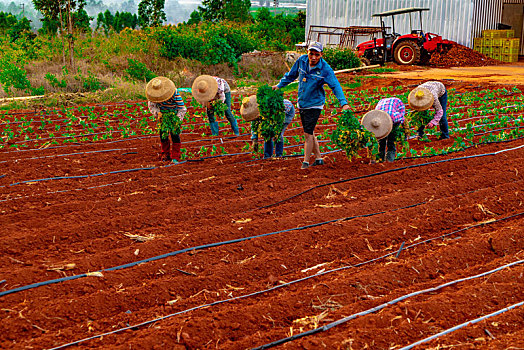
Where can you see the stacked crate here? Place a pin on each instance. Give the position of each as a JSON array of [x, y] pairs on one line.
[[498, 44]]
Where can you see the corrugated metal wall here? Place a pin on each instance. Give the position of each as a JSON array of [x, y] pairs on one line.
[[457, 20]]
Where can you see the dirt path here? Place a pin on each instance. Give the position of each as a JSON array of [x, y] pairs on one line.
[[511, 74]]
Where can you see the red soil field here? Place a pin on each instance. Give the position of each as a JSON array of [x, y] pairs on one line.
[[72, 226]]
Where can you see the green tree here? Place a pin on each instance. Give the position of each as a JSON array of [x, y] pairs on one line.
[[7, 21], [81, 21], [194, 18], [57, 10], [218, 10], [151, 13], [21, 28]]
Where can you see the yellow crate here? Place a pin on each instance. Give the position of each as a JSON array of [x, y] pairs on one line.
[[497, 42], [509, 58], [487, 50], [477, 42], [496, 50], [498, 33], [509, 34], [496, 56], [477, 48], [489, 33], [510, 50], [513, 42], [487, 42]]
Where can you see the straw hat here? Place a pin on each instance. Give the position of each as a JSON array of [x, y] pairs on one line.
[[249, 109], [420, 99], [160, 89], [204, 88], [378, 122]]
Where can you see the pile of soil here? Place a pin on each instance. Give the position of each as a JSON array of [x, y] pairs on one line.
[[460, 56]]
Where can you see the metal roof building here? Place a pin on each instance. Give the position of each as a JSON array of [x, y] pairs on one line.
[[457, 20]]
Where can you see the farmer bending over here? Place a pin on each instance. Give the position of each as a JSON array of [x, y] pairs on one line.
[[312, 72], [249, 111], [427, 95], [208, 91], [167, 106], [384, 121]]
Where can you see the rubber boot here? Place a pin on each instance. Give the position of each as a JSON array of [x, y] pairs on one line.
[[214, 128], [390, 156], [164, 154], [279, 149], [175, 151], [268, 149]]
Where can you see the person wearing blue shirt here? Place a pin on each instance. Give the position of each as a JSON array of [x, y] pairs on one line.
[[312, 72]]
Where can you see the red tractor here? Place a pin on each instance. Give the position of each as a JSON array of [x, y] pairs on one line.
[[403, 49]]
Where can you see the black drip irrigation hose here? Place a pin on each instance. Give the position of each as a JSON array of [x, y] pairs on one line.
[[133, 327], [382, 306], [463, 148], [462, 325], [200, 247], [73, 154], [63, 191], [386, 172], [93, 175]]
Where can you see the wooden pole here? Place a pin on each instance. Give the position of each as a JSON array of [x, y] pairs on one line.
[[71, 44], [358, 68]]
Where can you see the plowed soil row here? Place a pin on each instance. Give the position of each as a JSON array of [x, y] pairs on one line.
[[54, 224]]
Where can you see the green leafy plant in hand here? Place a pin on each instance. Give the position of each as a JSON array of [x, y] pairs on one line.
[[271, 107], [169, 122], [219, 107], [419, 118], [400, 136], [351, 136]]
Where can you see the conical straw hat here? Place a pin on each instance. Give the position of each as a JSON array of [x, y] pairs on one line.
[[204, 88], [420, 99], [249, 109], [160, 89], [378, 122]]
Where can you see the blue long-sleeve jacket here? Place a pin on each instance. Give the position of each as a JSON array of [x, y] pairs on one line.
[[311, 82]]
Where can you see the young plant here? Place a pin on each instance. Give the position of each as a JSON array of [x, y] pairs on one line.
[[219, 107], [351, 136], [271, 107]]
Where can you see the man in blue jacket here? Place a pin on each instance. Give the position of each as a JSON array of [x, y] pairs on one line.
[[312, 72]]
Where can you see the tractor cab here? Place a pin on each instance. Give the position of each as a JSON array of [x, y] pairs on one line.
[[403, 49]]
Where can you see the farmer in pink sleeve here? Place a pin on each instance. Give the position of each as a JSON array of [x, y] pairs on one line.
[[427, 95]]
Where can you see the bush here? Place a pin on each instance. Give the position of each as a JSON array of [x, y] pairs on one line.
[[54, 82], [341, 59], [217, 50], [174, 44], [137, 70], [12, 76]]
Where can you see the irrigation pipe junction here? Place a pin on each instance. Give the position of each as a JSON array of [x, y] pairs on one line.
[[396, 253]]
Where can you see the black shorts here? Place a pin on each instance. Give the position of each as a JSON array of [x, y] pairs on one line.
[[309, 118]]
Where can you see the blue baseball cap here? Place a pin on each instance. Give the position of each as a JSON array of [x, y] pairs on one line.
[[315, 45]]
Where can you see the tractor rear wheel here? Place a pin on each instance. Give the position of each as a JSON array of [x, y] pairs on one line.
[[407, 52]]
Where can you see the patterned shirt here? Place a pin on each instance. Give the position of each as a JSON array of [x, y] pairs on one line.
[[174, 103], [394, 107], [438, 90], [289, 110], [223, 88]]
